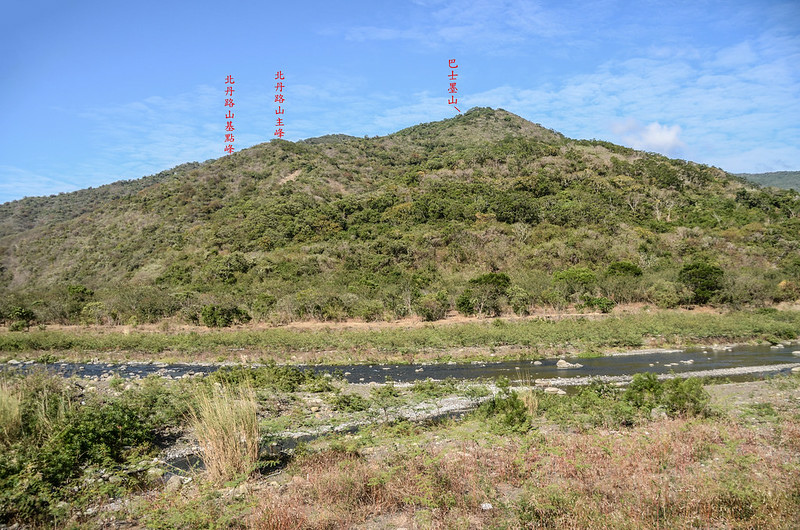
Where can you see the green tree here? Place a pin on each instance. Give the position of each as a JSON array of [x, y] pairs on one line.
[[489, 288], [703, 279]]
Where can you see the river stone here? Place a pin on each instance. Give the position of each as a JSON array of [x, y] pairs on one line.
[[796, 353], [658, 413], [175, 483], [554, 390], [796, 370], [537, 363], [566, 365]]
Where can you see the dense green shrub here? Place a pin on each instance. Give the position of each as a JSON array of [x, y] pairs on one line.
[[575, 279], [349, 403], [97, 433], [676, 396], [506, 407], [704, 280], [433, 306], [489, 289], [218, 316], [623, 268], [601, 303], [465, 303]]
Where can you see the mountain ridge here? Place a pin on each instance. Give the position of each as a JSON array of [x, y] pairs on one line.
[[341, 226]]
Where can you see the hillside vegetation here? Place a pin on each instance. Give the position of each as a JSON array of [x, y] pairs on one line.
[[778, 179], [484, 213]]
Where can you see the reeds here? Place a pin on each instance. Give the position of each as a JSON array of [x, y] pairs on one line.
[[225, 422]]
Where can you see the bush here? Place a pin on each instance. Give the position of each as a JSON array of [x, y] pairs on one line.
[[519, 300], [489, 288], [677, 396], [433, 306], [575, 279], [507, 408], [349, 403], [222, 316], [601, 303], [623, 268], [704, 280], [19, 325], [465, 303], [98, 433]]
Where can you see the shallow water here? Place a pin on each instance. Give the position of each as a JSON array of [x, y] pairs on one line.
[[520, 371]]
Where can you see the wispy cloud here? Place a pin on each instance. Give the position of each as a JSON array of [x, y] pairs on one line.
[[16, 183], [485, 22]]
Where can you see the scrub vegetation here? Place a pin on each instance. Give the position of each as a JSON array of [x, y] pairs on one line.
[[652, 454], [484, 214]]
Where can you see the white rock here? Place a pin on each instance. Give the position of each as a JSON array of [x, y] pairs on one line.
[[562, 364], [486, 506], [554, 390], [537, 363]]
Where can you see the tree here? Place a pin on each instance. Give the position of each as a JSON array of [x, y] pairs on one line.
[[488, 289], [703, 279]]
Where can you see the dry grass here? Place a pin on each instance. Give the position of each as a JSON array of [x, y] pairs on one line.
[[226, 425], [670, 474], [10, 413]]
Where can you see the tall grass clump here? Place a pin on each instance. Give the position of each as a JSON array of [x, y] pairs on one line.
[[10, 413], [225, 422]]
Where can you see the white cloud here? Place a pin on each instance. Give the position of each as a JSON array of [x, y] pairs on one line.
[[663, 139]]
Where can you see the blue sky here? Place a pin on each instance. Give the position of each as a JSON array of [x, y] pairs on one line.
[[95, 92]]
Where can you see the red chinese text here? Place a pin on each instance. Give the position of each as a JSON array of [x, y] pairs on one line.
[[453, 89], [229, 128], [279, 99]]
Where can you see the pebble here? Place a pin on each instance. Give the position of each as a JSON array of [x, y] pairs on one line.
[[486, 506], [537, 363]]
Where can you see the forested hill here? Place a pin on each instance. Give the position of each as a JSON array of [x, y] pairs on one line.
[[485, 212], [778, 179]]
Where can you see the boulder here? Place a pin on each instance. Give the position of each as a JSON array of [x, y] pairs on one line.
[[564, 365], [174, 484]]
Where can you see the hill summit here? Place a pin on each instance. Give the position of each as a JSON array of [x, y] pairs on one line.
[[484, 212]]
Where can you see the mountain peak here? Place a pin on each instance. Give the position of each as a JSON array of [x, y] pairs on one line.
[[478, 125]]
